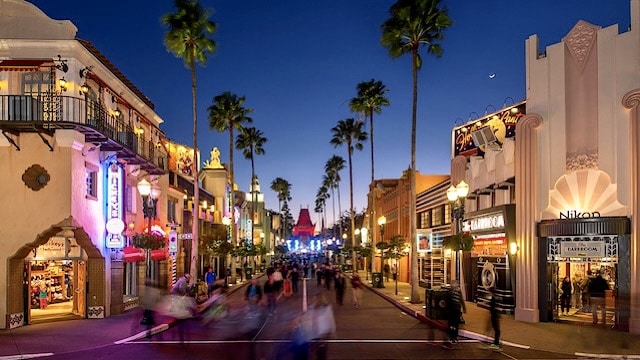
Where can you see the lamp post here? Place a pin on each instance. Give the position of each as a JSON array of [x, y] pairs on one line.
[[456, 195], [150, 194], [382, 221], [364, 241], [226, 221]]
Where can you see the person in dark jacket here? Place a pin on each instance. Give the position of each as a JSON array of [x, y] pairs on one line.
[[495, 319], [565, 297], [455, 308], [597, 288]]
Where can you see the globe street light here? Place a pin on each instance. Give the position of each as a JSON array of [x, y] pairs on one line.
[[456, 195], [150, 194], [382, 221]]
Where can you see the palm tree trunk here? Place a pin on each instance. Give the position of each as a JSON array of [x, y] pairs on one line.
[[193, 268], [234, 230], [354, 259], [372, 218], [253, 197], [415, 294]]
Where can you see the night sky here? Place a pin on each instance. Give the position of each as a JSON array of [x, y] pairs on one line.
[[298, 64]]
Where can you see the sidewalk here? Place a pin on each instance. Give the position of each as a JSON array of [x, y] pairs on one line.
[[575, 339]]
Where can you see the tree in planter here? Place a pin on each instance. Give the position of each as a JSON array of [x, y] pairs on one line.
[[461, 241], [397, 250], [365, 252]]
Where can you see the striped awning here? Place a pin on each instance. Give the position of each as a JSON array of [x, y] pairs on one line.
[[22, 65]]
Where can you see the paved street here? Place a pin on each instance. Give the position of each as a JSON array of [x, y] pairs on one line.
[[377, 330]]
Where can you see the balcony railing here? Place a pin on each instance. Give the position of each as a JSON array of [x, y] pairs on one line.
[[48, 112]]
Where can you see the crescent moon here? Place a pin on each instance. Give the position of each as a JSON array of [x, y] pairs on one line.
[[492, 76]]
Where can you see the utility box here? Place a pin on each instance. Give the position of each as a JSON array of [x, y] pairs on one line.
[[376, 280], [436, 304]]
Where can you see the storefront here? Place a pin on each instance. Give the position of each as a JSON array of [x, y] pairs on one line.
[[56, 276], [491, 262], [579, 248]]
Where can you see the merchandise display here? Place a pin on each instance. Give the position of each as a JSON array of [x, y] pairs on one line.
[[50, 283]]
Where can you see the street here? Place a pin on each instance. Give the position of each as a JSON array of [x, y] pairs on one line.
[[377, 330]]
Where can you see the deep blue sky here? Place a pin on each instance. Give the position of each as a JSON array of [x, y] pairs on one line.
[[298, 64]]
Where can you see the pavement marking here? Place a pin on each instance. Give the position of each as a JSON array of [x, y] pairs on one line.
[[607, 356], [276, 341], [484, 338], [146, 333], [25, 356]]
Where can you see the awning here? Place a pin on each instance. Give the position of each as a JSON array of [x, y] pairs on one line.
[[22, 65]]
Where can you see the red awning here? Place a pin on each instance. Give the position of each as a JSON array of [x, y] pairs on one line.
[[159, 254], [22, 65], [133, 254]]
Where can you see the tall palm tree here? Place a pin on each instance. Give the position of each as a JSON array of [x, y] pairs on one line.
[[349, 132], [414, 23], [283, 188], [332, 168], [227, 113], [370, 99], [251, 142], [321, 203], [186, 38]]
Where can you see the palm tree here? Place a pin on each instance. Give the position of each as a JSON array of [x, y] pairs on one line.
[[414, 23], [251, 142], [370, 99], [321, 203], [227, 113], [349, 132], [332, 168], [187, 38], [283, 188]]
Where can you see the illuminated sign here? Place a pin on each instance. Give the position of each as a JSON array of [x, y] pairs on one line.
[[575, 214], [582, 249], [114, 223], [502, 123], [488, 222]]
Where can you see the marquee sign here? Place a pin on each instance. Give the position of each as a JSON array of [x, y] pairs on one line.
[[487, 222], [114, 224], [584, 249]]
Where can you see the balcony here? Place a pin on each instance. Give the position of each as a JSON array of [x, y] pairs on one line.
[[49, 112]]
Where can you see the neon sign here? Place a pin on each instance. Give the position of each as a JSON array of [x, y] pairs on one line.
[[115, 226]]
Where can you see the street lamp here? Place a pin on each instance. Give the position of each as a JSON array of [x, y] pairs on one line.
[[364, 240], [456, 195], [382, 221], [150, 194]]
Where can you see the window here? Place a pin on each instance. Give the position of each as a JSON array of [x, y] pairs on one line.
[[436, 214], [128, 199], [92, 183], [425, 220], [171, 209]]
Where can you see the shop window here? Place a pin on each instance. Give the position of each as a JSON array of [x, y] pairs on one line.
[[171, 209]]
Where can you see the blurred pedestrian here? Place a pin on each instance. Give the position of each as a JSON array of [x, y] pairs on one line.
[[294, 276], [597, 288], [271, 290], [340, 284], [565, 297], [149, 301], [181, 286], [577, 291], [253, 295], [495, 319], [356, 287], [584, 285], [455, 307], [319, 272]]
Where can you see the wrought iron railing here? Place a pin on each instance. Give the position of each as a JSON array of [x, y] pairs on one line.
[[52, 111]]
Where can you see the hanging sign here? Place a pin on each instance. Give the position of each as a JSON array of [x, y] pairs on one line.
[[114, 223], [582, 249]]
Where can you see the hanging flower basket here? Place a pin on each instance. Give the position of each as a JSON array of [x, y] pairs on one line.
[[148, 241], [461, 241]]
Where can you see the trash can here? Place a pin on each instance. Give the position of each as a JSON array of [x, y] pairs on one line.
[[436, 304], [376, 280], [248, 273]]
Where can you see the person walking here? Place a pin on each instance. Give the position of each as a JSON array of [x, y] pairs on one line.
[[210, 279], [271, 289], [565, 297], [253, 295], [356, 286], [494, 314], [294, 276], [577, 291], [597, 288], [584, 285], [340, 284], [181, 286], [455, 308]]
